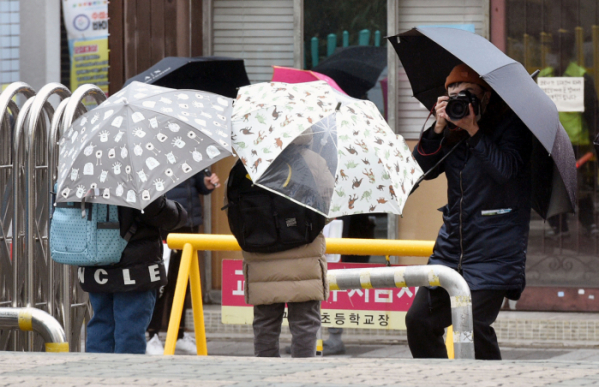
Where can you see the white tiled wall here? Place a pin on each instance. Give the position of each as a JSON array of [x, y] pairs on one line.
[[9, 41]]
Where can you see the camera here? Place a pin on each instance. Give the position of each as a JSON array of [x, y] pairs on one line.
[[457, 106]]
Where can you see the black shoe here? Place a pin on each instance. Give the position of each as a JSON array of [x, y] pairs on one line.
[[332, 348]]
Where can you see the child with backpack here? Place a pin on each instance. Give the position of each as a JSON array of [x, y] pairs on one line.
[[283, 256], [123, 294]]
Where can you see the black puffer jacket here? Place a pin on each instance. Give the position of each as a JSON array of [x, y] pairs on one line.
[[187, 194], [486, 220], [141, 267]]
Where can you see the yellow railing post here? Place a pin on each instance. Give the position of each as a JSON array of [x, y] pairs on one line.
[[179, 299], [197, 306], [449, 343]]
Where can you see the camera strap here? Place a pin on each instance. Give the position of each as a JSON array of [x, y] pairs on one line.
[[424, 175], [418, 148]]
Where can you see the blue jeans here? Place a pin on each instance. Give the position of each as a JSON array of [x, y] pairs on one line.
[[120, 321]]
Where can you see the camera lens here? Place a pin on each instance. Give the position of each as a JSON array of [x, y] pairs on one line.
[[457, 109]]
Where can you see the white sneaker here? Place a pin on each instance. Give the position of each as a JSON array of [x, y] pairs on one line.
[[186, 345], [154, 346]]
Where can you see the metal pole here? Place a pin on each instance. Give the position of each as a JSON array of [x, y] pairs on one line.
[[75, 106], [207, 253], [18, 137], [7, 267], [6, 97], [430, 275], [8, 257], [54, 277], [18, 271], [72, 296], [355, 246], [36, 147]]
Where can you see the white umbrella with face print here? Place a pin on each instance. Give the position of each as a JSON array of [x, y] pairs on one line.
[[140, 143]]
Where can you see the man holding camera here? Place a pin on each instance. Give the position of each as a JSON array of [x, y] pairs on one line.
[[485, 228]]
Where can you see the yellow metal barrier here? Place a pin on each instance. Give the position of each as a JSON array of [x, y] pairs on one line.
[[191, 243], [334, 245], [189, 268]]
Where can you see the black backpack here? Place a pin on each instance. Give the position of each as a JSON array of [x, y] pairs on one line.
[[264, 222]]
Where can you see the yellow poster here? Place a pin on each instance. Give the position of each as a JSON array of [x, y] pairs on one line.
[[89, 63]]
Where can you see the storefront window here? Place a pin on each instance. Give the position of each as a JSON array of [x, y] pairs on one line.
[[354, 31], [561, 39]]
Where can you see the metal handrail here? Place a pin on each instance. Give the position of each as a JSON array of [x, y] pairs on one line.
[[367, 278], [28, 167], [408, 276], [36, 210], [70, 111], [334, 245], [18, 161], [36, 320]]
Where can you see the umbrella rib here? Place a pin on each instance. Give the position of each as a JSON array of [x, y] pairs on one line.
[[130, 154], [499, 68], [290, 198]]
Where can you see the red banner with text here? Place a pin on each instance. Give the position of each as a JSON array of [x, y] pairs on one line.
[[356, 308]]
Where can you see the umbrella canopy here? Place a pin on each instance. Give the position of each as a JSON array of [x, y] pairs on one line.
[[141, 142], [325, 150], [220, 75], [429, 54], [291, 75], [356, 68]]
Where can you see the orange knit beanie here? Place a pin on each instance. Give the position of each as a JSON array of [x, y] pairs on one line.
[[463, 73]]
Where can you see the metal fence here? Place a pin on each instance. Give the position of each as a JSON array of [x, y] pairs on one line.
[[28, 163]]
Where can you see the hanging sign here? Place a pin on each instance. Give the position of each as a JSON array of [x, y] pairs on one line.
[[566, 92], [86, 23]]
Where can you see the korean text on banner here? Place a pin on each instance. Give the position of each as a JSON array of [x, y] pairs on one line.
[[357, 308], [86, 23], [566, 92], [89, 63]]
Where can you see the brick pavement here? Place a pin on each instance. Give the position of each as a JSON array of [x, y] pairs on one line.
[[40, 369]]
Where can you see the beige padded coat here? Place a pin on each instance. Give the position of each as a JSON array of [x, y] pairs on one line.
[[295, 275]]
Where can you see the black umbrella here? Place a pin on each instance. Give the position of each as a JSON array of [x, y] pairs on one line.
[[355, 68], [429, 54], [214, 74]]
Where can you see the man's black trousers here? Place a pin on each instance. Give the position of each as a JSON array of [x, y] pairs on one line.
[[430, 314]]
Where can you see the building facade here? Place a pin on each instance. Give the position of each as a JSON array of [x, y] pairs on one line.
[[541, 34]]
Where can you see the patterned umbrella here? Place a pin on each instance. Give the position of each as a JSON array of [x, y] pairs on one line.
[[320, 148], [141, 142]]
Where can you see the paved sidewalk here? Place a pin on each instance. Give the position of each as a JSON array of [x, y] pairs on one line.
[[513, 328], [244, 347], [40, 369]]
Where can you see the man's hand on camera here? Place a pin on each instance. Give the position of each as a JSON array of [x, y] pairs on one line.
[[468, 123], [440, 114], [212, 181]]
